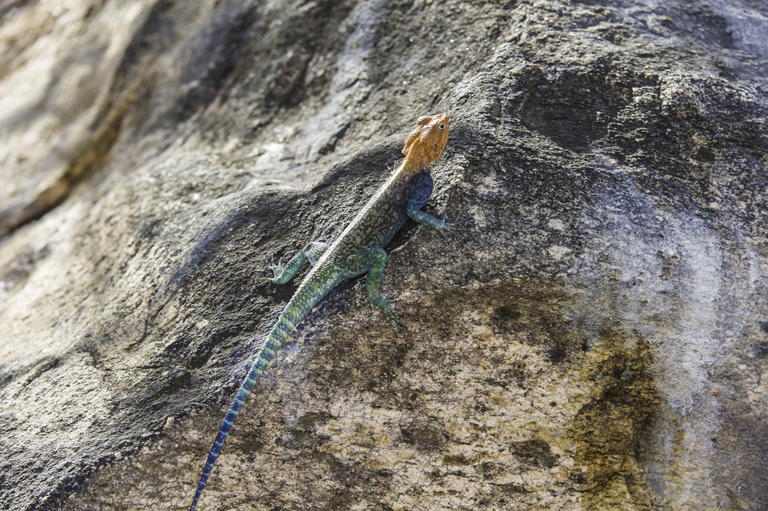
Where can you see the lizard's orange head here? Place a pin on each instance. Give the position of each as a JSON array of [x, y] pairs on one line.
[[425, 144]]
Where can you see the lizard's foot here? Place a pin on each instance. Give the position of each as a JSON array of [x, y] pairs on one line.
[[389, 313], [446, 228], [277, 271]]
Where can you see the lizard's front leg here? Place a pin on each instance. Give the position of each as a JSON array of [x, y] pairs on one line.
[[312, 252], [421, 189]]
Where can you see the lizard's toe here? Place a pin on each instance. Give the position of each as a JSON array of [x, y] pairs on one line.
[[390, 314]]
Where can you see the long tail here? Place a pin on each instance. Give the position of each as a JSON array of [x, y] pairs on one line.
[[308, 294]]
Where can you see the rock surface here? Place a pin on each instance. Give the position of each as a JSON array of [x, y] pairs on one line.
[[596, 337]]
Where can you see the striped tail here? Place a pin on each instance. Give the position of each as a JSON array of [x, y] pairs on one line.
[[308, 294]]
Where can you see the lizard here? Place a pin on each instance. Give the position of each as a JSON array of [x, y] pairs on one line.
[[358, 250]]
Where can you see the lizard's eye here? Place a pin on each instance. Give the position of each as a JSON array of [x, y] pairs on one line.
[[441, 127]]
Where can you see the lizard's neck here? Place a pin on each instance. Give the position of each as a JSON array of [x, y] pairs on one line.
[[410, 168]]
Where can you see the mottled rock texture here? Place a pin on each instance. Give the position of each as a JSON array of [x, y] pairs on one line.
[[596, 337]]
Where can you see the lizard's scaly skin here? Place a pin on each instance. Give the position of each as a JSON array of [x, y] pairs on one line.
[[358, 250]]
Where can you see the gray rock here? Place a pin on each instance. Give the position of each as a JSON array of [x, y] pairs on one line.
[[595, 338]]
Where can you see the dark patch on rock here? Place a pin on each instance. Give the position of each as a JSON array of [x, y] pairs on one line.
[[534, 453]]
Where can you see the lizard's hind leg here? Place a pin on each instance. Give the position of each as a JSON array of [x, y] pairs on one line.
[[311, 252], [377, 259]]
